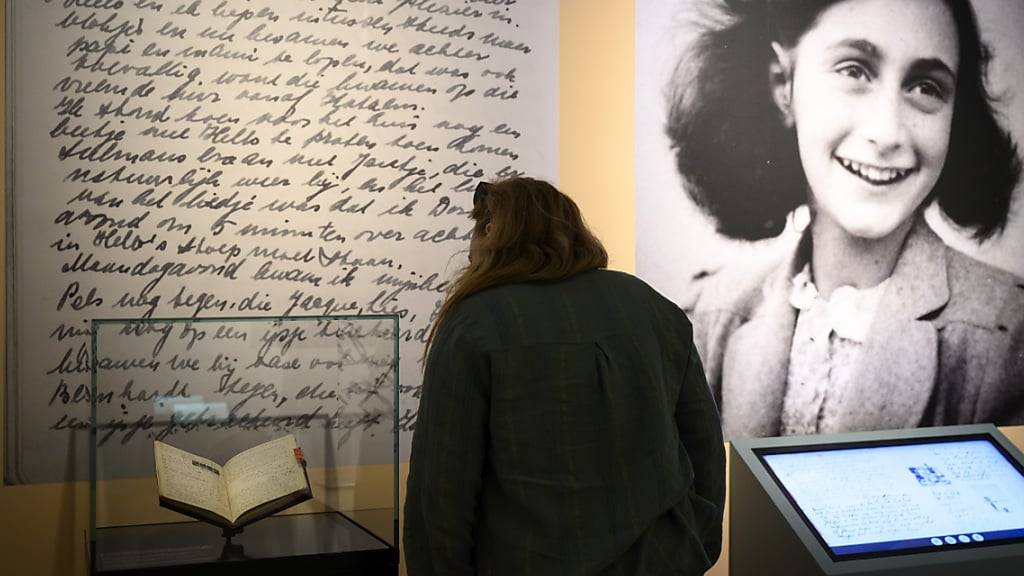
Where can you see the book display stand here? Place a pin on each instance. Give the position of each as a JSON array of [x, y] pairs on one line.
[[204, 396]]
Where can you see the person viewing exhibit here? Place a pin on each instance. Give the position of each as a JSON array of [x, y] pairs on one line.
[[868, 112], [565, 424]]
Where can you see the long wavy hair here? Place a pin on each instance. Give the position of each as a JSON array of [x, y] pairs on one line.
[[525, 230]]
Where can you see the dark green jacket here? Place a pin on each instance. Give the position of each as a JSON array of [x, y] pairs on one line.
[[565, 428]]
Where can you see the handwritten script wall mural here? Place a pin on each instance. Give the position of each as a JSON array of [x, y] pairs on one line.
[[197, 158]]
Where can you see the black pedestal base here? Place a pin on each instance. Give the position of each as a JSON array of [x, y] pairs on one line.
[[300, 545]]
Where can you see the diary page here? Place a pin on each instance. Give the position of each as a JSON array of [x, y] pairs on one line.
[[189, 479], [263, 473]]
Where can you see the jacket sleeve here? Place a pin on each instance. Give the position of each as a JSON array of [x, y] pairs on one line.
[[446, 463], [700, 430]]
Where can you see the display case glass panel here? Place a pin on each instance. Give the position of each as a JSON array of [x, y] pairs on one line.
[[210, 389]]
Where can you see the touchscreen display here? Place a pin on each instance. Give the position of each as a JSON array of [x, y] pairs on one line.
[[880, 500]]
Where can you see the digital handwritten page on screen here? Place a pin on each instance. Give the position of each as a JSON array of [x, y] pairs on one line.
[[875, 499]]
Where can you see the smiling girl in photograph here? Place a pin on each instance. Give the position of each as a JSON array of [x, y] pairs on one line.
[[867, 111]]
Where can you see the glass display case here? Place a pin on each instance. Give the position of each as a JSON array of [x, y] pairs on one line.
[[211, 390]]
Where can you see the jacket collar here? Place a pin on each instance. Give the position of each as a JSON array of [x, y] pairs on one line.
[[893, 383]]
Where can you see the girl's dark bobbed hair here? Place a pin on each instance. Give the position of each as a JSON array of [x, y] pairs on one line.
[[740, 161]]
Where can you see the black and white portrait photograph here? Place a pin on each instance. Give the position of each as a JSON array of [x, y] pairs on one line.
[[832, 191]]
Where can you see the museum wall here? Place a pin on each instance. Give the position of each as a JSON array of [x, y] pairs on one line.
[[42, 526]]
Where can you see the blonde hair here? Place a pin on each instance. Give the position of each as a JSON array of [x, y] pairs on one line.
[[533, 233]]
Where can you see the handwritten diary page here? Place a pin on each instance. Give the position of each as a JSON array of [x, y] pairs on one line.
[[190, 479], [869, 495], [197, 158], [263, 473]]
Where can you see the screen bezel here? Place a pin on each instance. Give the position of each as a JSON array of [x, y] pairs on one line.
[[760, 452]]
